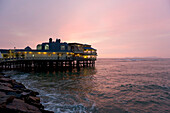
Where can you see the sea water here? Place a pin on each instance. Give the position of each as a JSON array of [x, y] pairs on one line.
[[112, 86]]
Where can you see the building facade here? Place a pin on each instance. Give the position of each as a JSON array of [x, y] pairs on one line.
[[52, 50]]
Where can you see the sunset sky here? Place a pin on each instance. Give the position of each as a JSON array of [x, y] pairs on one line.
[[116, 28]]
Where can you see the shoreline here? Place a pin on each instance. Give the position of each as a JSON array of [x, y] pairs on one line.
[[16, 98]]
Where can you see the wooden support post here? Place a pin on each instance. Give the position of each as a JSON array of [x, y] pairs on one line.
[[70, 66], [0, 66], [93, 63], [50, 65], [56, 65]]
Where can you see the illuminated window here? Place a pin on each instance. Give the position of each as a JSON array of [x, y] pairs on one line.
[[60, 54], [46, 47], [62, 47], [89, 51], [49, 54]]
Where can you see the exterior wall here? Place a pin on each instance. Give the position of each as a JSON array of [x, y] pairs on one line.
[[73, 50], [55, 46], [76, 48], [40, 55], [1, 55]]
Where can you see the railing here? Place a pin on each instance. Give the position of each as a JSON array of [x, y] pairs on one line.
[[49, 58], [46, 58]]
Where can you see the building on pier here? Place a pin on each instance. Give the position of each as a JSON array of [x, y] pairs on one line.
[[52, 50], [0, 55]]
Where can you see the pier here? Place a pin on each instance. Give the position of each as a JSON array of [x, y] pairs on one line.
[[45, 64], [52, 55]]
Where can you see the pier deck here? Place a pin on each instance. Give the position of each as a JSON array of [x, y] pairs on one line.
[[45, 63]]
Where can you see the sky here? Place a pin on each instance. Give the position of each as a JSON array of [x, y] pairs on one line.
[[116, 28]]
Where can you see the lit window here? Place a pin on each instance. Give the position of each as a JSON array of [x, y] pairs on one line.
[[62, 47], [89, 51], [46, 47]]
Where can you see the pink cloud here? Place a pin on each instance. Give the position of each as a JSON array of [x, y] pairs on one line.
[[116, 28]]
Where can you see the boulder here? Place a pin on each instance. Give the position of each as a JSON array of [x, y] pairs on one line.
[[20, 106], [15, 98], [33, 93], [5, 99], [6, 89], [18, 85], [6, 80], [6, 84], [14, 94], [34, 99]]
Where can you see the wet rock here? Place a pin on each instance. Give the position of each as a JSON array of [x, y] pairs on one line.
[[33, 93], [14, 94], [9, 99], [2, 99], [38, 105], [18, 85], [2, 94], [34, 99], [6, 80], [25, 94], [20, 106], [6, 84], [1, 76], [6, 89], [26, 90], [15, 98], [5, 99]]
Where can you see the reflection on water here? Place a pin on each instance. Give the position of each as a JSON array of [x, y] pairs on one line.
[[113, 86], [61, 91]]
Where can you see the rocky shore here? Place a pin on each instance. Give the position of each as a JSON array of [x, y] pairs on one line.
[[15, 98]]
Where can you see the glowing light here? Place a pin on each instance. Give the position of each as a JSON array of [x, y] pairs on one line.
[[44, 52], [39, 52], [54, 52], [85, 56], [30, 52]]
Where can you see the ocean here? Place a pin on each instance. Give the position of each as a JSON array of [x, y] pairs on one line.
[[112, 86]]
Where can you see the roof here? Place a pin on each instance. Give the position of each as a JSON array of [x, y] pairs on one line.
[[89, 48], [75, 44], [4, 50], [86, 44], [33, 50], [27, 48], [23, 50]]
